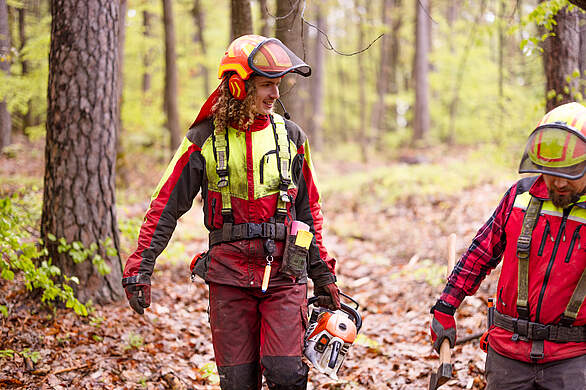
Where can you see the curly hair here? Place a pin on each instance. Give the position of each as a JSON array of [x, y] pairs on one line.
[[229, 111]]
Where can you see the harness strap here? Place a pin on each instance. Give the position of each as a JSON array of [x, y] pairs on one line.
[[523, 247], [283, 164], [247, 231], [221, 151], [539, 332], [576, 301]]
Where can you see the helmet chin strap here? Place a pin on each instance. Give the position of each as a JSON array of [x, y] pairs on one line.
[[285, 113]]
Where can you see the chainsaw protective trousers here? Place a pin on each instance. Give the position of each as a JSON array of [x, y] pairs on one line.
[[504, 373], [254, 333]]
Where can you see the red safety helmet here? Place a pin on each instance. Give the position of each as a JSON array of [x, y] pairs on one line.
[[255, 54], [557, 146]]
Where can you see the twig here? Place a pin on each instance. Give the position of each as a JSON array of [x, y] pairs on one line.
[[473, 336], [61, 371], [331, 46]]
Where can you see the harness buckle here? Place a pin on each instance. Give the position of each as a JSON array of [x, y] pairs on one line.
[[539, 331], [268, 230], [254, 230], [223, 182]]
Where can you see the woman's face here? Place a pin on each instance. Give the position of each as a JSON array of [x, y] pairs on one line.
[[267, 92]]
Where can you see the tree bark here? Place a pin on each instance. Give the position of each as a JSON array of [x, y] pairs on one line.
[[289, 30], [198, 38], [421, 121], [79, 185], [265, 28], [171, 83], [560, 59], [5, 120], [147, 58], [317, 85], [582, 54], [241, 18], [27, 118]]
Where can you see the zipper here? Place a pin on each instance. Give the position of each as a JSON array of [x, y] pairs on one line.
[[551, 261], [262, 163], [213, 212], [575, 237], [544, 238]]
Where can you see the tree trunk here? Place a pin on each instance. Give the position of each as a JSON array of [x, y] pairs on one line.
[[365, 129], [289, 30], [384, 71], [79, 195], [171, 84], [560, 59], [5, 120], [241, 18], [265, 28], [421, 120], [147, 58], [317, 85], [27, 118], [199, 21], [582, 54]]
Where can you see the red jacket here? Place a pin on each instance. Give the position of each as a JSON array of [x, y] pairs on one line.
[[557, 260], [254, 182]]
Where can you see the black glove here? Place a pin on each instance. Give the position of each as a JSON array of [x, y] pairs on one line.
[[328, 296], [139, 296]]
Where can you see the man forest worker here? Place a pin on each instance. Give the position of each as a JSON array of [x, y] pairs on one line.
[[257, 180], [538, 338]]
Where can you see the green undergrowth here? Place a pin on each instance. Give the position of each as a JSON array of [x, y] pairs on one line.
[[386, 183]]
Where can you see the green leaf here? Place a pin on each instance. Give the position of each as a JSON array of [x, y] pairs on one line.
[[51, 237], [4, 310]]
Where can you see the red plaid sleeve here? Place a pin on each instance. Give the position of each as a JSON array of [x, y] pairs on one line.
[[483, 255]]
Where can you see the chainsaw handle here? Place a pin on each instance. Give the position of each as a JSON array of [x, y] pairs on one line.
[[346, 309]]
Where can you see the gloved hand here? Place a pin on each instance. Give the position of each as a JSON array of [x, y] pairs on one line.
[[139, 296], [443, 325], [328, 296]]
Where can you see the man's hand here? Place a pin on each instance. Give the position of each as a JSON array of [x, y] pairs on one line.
[[443, 325], [139, 296], [328, 296]]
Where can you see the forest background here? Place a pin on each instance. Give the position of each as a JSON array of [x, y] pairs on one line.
[[417, 113]]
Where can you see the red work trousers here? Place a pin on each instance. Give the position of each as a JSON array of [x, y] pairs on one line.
[[255, 333]]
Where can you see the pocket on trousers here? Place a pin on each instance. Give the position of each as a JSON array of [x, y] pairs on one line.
[[294, 258]]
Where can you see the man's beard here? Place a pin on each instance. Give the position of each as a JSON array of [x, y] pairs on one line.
[[563, 201]]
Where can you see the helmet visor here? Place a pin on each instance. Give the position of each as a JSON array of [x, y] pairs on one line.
[[555, 150], [273, 59]]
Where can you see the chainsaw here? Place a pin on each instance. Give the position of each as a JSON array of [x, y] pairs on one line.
[[329, 336]]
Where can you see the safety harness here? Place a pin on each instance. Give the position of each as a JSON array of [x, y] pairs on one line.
[[521, 327], [274, 229]]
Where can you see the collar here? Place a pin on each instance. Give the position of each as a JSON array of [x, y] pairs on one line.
[[260, 122]]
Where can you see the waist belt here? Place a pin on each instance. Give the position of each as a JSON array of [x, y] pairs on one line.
[[536, 331], [247, 231]]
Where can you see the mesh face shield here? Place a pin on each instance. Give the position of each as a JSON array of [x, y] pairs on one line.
[[273, 59], [555, 150]]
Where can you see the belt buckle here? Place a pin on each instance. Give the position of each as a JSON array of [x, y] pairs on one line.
[[254, 230], [268, 230], [540, 331]]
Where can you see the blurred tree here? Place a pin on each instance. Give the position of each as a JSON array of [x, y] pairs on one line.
[[421, 120], [560, 59], [199, 21], [27, 118], [582, 54], [147, 58], [265, 28], [241, 18], [171, 83], [314, 129], [290, 31], [80, 153], [5, 54]]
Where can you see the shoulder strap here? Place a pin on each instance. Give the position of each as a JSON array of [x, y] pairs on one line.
[[576, 301], [283, 164], [221, 153], [523, 247]]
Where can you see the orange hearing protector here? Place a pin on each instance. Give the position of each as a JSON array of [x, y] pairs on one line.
[[237, 87]]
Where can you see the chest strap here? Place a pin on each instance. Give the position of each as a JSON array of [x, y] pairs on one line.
[[248, 231], [539, 332], [523, 248]]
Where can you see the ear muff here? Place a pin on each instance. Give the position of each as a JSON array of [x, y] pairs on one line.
[[237, 87]]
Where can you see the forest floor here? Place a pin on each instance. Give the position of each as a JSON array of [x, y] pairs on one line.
[[391, 258]]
